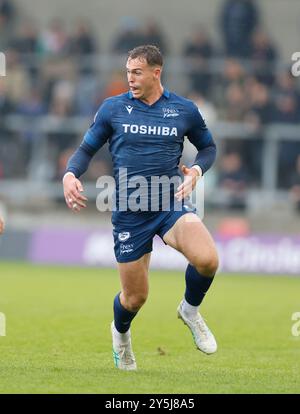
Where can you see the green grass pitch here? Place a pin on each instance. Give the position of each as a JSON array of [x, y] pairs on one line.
[[58, 334]]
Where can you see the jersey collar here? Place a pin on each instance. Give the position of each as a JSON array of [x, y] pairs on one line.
[[165, 93]]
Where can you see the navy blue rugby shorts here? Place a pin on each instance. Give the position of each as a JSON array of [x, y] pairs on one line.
[[134, 231]]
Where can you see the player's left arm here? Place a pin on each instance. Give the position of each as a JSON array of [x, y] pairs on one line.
[[200, 136]]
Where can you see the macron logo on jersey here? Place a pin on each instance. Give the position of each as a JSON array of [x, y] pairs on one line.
[[129, 108], [149, 130]]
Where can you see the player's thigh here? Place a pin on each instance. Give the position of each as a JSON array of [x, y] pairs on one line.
[[134, 276], [190, 236]]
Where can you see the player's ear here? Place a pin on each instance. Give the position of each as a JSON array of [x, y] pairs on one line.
[[157, 72]]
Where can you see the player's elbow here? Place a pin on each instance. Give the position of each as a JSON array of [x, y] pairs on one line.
[[213, 149]]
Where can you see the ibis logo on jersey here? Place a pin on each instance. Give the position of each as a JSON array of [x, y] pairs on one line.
[[170, 113], [149, 130]]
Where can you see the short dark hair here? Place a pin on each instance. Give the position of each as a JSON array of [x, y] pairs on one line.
[[150, 53]]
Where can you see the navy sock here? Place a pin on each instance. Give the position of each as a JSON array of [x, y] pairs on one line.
[[196, 286], [122, 316]]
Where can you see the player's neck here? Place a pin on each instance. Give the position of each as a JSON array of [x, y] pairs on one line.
[[155, 95]]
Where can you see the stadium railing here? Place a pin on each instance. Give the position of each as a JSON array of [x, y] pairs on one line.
[[35, 184]]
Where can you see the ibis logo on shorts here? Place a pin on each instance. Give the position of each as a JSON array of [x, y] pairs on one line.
[[149, 130], [124, 236]]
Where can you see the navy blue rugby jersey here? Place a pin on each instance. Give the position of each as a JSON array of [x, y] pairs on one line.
[[146, 140]]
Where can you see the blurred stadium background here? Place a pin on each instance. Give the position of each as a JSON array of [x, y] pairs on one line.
[[233, 58]]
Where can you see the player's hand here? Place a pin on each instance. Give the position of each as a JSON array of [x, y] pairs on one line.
[[191, 175], [72, 192], [1, 226]]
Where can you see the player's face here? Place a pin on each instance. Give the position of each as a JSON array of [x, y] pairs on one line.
[[142, 78]]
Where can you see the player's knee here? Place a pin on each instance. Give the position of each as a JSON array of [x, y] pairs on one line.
[[207, 264], [135, 301]]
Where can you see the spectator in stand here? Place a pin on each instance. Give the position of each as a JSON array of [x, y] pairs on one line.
[[129, 37], [63, 99], [26, 43], [234, 180], [197, 51], [7, 12], [232, 73], [62, 107], [17, 79], [263, 57], [88, 88], [27, 40], [116, 85], [236, 103], [286, 85], [83, 41], [6, 105], [259, 102], [5, 108], [31, 106], [295, 185], [286, 111], [152, 35], [7, 18], [60, 138], [54, 41], [57, 71], [260, 112], [83, 46], [239, 18]]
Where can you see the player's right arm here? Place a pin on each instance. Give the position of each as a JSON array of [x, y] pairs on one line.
[[96, 136]]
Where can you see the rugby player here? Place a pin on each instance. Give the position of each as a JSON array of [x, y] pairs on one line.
[[145, 129]]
